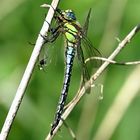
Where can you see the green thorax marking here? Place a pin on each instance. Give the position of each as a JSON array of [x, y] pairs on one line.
[[71, 32]]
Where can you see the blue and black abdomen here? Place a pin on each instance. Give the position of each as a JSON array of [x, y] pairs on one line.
[[70, 53]]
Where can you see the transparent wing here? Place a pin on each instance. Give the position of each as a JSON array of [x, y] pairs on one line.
[[90, 51], [86, 50], [52, 35], [86, 24], [80, 54], [44, 58]]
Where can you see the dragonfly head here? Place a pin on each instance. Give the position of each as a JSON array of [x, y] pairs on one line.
[[69, 15]]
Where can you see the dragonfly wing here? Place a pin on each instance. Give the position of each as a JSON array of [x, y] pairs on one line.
[[89, 49], [86, 51], [85, 73], [90, 52], [50, 38], [43, 56], [86, 24]]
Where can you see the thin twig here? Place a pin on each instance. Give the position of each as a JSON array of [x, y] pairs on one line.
[[121, 45], [88, 84], [27, 74], [112, 61]]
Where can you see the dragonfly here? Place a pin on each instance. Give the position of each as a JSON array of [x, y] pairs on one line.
[[75, 35]]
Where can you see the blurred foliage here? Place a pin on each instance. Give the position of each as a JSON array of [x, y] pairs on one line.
[[20, 23]]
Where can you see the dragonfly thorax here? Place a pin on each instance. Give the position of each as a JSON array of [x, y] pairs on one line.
[[71, 33]]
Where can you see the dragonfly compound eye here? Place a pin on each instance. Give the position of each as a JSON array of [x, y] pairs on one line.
[[69, 15]]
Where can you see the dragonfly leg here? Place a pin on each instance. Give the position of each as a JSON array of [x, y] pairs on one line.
[[50, 29], [50, 6], [54, 33], [55, 10], [30, 43], [45, 38], [47, 22]]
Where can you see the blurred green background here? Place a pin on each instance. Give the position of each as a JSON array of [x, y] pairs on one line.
[[20, 23]]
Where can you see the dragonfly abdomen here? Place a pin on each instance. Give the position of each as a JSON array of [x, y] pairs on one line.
[[70, 53]]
